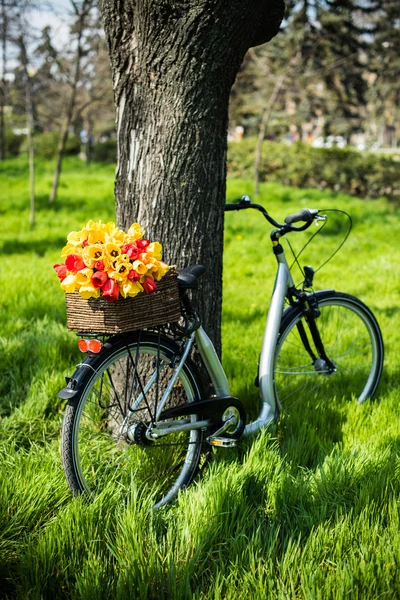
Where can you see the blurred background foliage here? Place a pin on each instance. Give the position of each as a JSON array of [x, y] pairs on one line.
[[328, 81]]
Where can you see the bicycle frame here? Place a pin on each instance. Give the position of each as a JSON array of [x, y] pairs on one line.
[[216, 372], [219, 380]]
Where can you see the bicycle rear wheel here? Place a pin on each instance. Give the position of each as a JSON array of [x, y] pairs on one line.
[[120, 389], [352, 341]]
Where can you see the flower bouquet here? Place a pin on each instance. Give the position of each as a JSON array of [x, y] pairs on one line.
[[105, 274]]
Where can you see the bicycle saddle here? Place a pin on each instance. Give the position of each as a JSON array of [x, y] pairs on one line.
[[188, 277]]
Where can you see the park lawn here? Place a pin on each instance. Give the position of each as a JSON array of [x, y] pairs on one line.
[[308, 509]]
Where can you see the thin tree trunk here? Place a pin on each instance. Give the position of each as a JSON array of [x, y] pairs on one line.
[[31, 157], [30, 128], [88, 144], [81, 15], [60, 155], [173, 66], [3, 81], [2, 124], [263, 127]]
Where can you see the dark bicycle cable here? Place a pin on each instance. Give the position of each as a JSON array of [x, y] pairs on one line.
[[296, 257], [345, 237]]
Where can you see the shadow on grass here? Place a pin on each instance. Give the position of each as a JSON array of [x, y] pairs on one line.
[[38, 247], [230, 315], [390, 311], [346, 483], [33, 347]]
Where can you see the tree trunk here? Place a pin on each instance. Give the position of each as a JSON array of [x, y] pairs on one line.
[[263, 128], [30, 128], [3, 83], [60, 155], [88, 145], [173, 66], [29, 119]]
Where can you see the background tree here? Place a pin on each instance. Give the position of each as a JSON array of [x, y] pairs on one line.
[[384, 90], [325, 51], [82, 15], [10, 19], [173, 65], [29, 123]]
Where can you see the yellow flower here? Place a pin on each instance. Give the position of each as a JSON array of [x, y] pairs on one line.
[[160, 270], [140, 267], [135, 232], [69, 284], [149, 261], [84, 276], [113, 252], [91, 254], [125, 259], [76, 238], [120, 271], [109, 228], [117, 237], [95, 233], [70, 249], [155, 250], [130, 288], [89, 291]]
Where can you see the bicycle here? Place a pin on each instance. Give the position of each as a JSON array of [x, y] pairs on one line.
[[139, 407]]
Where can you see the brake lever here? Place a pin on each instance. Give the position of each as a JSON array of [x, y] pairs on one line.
[[318, 218]]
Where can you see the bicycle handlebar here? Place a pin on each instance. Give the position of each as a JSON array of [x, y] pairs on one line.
[[306, 215]]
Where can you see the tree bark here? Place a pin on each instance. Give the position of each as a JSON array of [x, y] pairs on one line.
[[173, 66]]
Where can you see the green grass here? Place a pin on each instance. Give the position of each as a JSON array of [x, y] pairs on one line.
[[307, 510]]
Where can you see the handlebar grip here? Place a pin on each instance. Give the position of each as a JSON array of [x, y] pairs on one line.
[[235, 206], [305, 215]]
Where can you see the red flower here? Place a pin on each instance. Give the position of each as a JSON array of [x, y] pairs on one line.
[[149, 285], [61, 271], [142, 244], [133, 252], [133, 275], [130, 250], [110, 290], [74, 263], [85, 243], [99, 279], [99, 265]]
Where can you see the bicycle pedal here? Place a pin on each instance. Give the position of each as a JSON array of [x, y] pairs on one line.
[[221, 442]]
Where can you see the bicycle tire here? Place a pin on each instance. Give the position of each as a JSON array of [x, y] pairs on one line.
[[95, 454], [352, 339]]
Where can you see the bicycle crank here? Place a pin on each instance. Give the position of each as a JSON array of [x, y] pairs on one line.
[[226, 412], [232, 423]]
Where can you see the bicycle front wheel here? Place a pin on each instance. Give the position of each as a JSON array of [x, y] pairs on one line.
[[121, 389], [352, 341]]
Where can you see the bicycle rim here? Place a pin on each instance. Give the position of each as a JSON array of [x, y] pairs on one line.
[[351, 339], [102, 454]]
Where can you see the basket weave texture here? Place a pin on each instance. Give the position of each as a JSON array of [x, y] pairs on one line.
[[144, 310]]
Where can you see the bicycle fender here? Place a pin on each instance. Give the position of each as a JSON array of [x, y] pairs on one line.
[[74, 384], [320, 295]]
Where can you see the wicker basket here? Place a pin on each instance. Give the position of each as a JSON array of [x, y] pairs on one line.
[[145, 310]]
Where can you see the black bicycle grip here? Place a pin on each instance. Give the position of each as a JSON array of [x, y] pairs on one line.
[[235, 206], [306, 215]]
